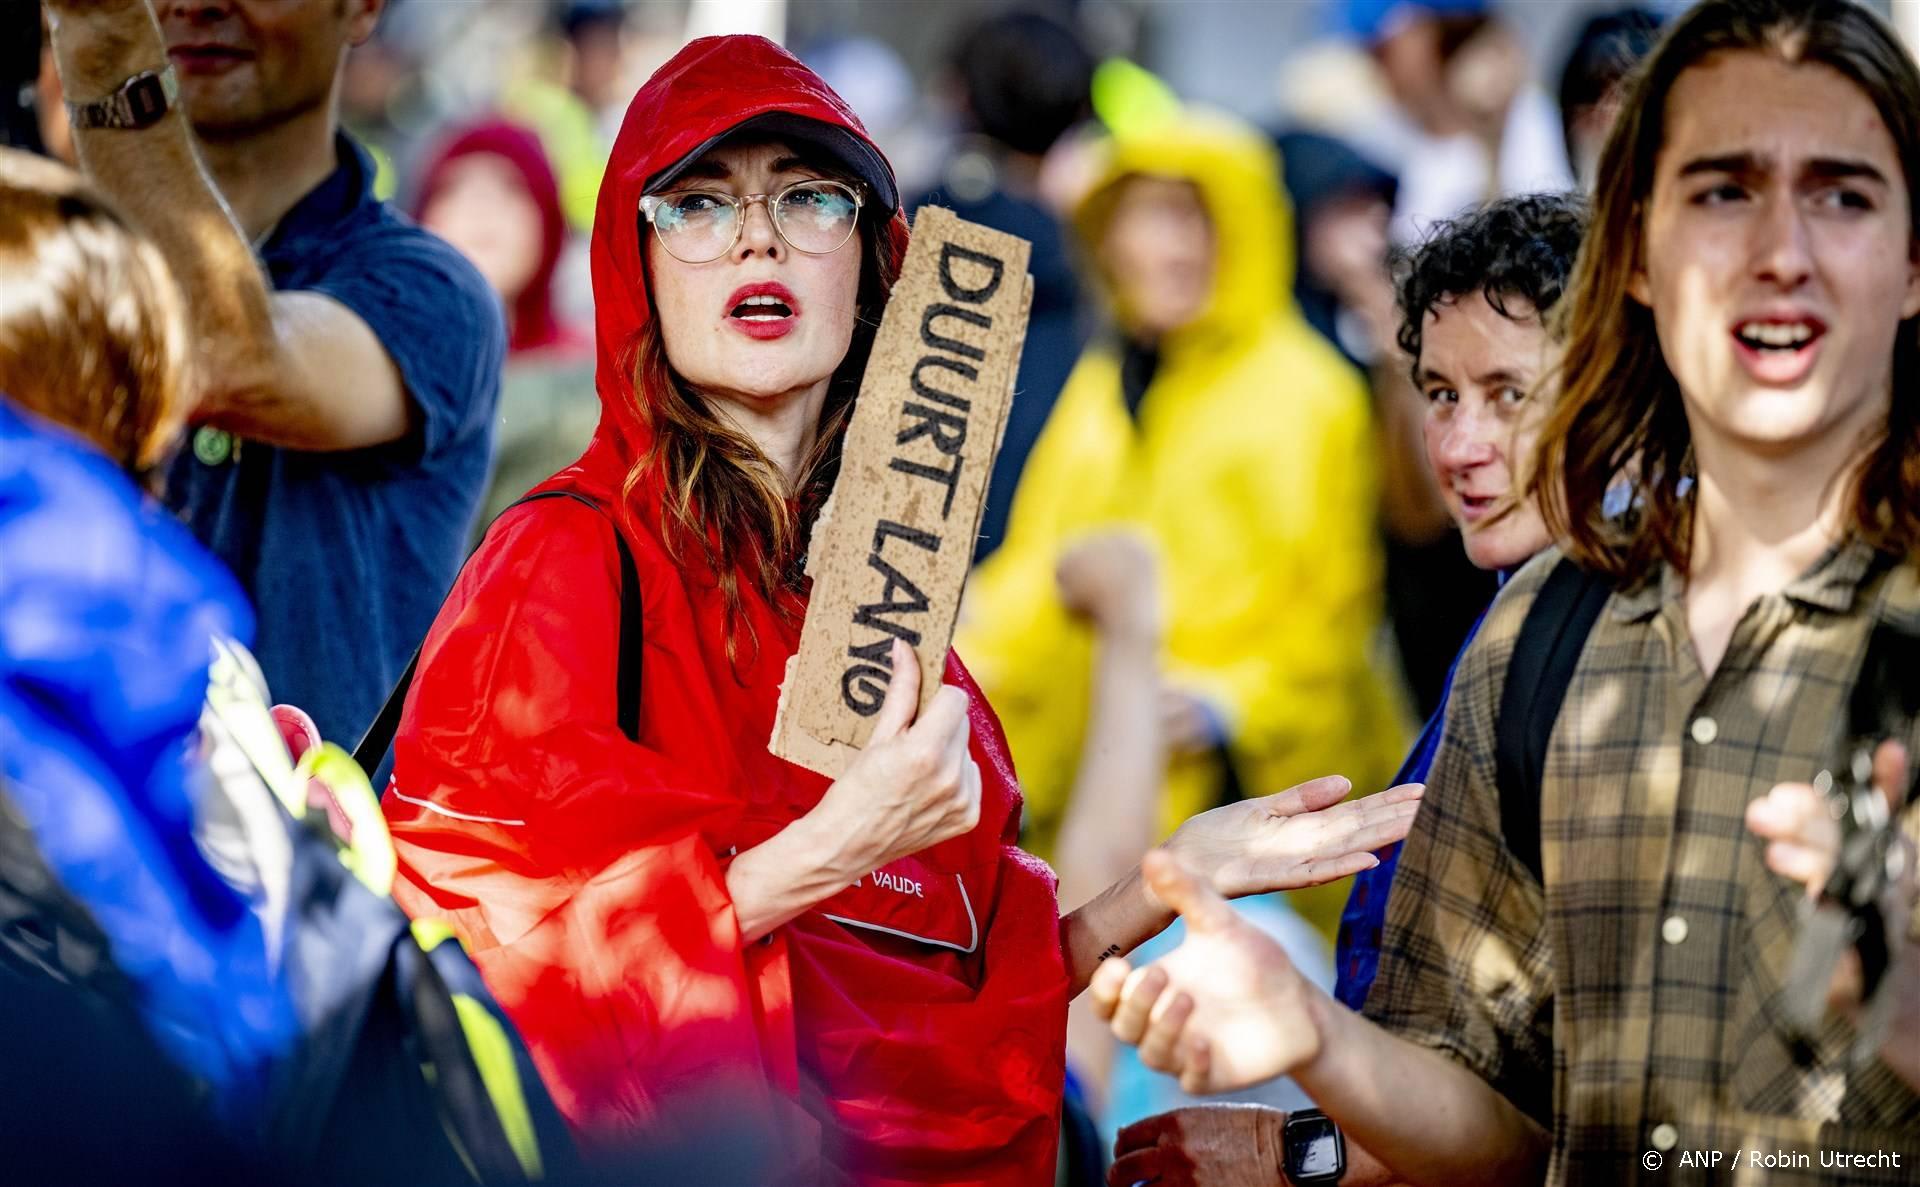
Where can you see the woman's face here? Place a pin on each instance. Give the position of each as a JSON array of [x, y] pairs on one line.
[[1779, 257], [796, 332], [1158, 253], [483, 208]]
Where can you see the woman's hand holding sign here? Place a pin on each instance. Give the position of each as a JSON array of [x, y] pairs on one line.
[[912, 787]]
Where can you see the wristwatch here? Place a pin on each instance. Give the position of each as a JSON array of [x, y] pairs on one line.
[[139, 102], [1313, 1152]]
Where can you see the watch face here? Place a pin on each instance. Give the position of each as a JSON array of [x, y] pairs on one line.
[[1314, 1155], [147, 101], [1314, 1152]]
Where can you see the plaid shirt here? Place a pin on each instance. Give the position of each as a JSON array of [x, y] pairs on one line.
[[1632, 1004]]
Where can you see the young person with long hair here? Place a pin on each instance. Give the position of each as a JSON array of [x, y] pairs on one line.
[[1742, 353], [667, 910]]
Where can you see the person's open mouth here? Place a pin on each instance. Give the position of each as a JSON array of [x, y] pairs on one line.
[[207, 58], [1778, 350], [1474, 508], [767, 309]]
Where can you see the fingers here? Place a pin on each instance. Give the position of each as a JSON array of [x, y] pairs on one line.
[[1166, 1025], [1377, 830], [1137, 997], [1802, 863], [1104, 988], [1310, 796], [902, 702], [1404, 793], [1203, 909], [1890, 770], [970, 791], [1803, 838], [1331, 869], [1196, 1064], [1145, 1132], [1141, 1166]]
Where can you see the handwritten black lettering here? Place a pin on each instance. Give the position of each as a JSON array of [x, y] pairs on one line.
[[953, 345], [863, 687], [949, 477], [949, 432], [898, 596], [949, 253], [927, 391], [886, 530]]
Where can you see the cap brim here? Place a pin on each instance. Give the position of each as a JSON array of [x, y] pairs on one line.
[[856, 155]]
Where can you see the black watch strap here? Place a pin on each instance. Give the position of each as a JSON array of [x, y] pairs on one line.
[[139, 102]]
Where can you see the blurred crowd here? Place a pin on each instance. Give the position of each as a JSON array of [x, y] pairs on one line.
[[1253, 500]]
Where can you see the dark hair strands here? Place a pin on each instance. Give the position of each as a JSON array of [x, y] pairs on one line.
[[1520, 248], [724, 497], [1619, 415]]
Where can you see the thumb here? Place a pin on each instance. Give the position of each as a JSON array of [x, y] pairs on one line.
[[902, 702], [1203, 909]]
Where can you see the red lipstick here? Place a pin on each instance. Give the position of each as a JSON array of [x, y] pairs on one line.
[[765, 309]]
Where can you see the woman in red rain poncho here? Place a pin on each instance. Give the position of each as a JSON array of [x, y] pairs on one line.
[[872, 968]]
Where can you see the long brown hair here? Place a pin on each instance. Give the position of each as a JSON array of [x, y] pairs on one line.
[[93, 333], [724, 495], [1619, 417]]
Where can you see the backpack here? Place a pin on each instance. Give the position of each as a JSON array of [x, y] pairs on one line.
[[1545, 654], [405, 1070]]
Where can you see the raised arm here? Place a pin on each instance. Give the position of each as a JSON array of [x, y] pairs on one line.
[[296, 369]]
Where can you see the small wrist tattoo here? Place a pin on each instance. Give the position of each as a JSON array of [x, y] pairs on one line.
[[1112, 950]]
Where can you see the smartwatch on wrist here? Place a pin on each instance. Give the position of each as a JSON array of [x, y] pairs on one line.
[[1313, 1151], [139, 102]]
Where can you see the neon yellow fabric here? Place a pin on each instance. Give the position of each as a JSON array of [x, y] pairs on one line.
[[493, 1055], [430, 933], [1253, 471], [370, 855]]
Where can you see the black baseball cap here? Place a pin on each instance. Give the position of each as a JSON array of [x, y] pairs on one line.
[[851, 152]]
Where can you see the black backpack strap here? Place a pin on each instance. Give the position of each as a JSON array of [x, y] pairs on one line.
[[1544, 656], [373, 746]]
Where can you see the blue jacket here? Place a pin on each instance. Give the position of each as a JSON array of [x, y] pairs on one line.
[[108, 610]]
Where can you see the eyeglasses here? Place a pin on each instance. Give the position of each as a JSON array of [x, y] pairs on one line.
[[696, 226]]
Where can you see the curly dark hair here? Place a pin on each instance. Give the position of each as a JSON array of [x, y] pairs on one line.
[[1520, 247]]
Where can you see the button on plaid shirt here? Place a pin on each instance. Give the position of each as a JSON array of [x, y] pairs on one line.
[[1633, 1005]]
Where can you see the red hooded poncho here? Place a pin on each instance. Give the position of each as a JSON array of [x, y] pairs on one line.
[[921, 1033]]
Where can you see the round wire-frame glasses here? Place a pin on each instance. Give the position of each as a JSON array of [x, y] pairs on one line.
[[690, 233]]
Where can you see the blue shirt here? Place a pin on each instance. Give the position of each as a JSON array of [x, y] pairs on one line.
[[347, 555], [1357, 951]]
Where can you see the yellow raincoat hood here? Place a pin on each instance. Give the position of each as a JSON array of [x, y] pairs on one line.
[[1238, 176], [1251, 466]]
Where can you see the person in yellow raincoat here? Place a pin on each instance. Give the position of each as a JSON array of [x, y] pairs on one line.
[[1219, 425]]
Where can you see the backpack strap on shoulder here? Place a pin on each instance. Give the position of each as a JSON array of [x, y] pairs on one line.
[[378, 739], [1544, 658]]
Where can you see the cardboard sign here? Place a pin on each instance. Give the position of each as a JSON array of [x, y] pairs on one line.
[[891, 549]]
